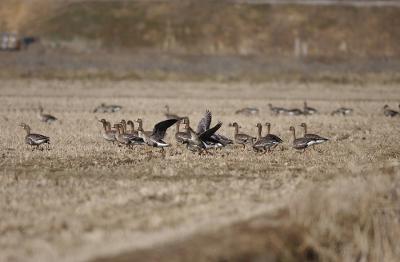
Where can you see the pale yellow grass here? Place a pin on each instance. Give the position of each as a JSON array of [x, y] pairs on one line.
[[85, 198]]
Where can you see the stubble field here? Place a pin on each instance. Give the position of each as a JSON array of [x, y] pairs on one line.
[[89, 200]]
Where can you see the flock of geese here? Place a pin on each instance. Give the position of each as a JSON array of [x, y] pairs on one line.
[[200, 140], [203, 138], [344, 111]]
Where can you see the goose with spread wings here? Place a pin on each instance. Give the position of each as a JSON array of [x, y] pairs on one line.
[[203, 141], [204, 125], [155, 139]]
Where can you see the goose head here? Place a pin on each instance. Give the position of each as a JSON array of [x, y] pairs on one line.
[[102, 120], [25, 127]]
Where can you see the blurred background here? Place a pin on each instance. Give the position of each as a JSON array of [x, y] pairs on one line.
[[259, 40]]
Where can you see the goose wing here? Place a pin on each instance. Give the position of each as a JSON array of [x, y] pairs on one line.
[[161, 128], [315, 137], [48, 118], [204, 123], [274, 138], [134, 139], [222, 139], [302, 142], [206, 135], [37, 138]]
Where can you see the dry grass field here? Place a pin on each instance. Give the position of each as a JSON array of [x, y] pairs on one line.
[[88, 200]]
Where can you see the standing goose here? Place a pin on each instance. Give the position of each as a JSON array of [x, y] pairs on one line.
[[277, 110], [248, 111], [108, 134], [181, 137], [120, 137], [241, 138], [132, 128], [127, 139], [46, 118], [309, 110], [300, 143], [34, 139], [155, 139], [265, 143], [274, 138], [389, 112], [103, 108], [294, 112], [204, 124], [123, 124], [317, 139], [343, 111]]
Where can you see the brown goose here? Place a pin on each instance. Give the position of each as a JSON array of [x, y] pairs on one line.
[[124, 140], [300, 143], [169, 115], [309, 110], [46, 118], [389, 112], [248, 111], [203, 141], [204, 125], [274, 138], [34, 139], [343, 111], [317, 139], [123, 124], [103, 108], [265, 143], [181, 137], [108, 134], [127, 139], [294, 112], [132, 128], [277, 110], [155, 139], [241, 138]]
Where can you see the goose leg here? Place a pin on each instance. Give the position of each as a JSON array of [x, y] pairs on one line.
[[163, 152]]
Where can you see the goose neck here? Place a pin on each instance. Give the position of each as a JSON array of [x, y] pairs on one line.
[[294, 134], [259, 132], [236, 129]]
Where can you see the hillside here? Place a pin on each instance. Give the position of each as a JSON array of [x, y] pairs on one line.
[[359, 39]]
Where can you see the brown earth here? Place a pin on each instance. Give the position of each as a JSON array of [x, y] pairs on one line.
[[89, 200]]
